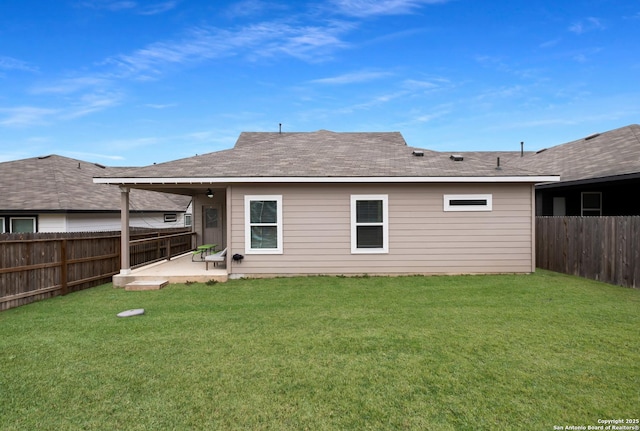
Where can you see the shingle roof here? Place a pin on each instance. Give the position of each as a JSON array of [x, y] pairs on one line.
[[324, 154], [612, 153], [56, 183]]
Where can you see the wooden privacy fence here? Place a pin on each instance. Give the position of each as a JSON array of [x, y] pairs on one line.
[[599, 248], [144, 251], [39, 266]]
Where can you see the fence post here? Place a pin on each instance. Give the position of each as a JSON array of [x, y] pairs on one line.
[[63, 267], [125, 234]]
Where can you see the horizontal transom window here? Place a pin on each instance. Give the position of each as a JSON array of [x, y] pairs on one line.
[[478, 202]]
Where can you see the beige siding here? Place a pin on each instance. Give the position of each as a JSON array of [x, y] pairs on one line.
[[423, 238]]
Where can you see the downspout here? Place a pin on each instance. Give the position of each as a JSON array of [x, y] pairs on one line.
[[125, 266]]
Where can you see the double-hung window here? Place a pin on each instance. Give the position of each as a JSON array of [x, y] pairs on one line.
[[263, 224], [369, 224]]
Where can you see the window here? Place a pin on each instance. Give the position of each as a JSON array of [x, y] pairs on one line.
[[559, 206], [263, 224], [210, 217], [1, 224], [187, 220], [22, 224], [591, 204], [369, 224], [468, 202], [170, 218]]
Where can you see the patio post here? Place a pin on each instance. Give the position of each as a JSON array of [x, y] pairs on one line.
[[125, 266]]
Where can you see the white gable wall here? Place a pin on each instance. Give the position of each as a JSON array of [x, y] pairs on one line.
[[52, 223], [104, 222]]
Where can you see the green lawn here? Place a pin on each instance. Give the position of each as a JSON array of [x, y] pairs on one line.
[[326, 353]]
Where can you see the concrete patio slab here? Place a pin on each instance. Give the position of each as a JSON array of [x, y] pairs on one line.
[[180, 269]]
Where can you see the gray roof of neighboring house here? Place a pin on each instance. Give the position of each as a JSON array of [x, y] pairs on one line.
[[61, 184], [325, 154], [608, 154]]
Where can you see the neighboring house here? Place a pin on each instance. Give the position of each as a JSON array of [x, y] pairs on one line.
[[599, 175], [57, 194], [351, 203]]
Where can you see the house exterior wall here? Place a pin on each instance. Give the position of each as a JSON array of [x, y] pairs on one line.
[[52, 223], [618, 198], [103, 222], [423, 238]]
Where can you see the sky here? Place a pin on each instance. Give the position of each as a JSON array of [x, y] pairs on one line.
[[137, 82]]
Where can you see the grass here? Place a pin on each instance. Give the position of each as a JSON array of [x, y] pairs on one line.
[[322, 353]]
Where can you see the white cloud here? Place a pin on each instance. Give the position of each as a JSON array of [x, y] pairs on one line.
[[549, 43], [268, 39], [375, 101], [132, 6], [505, 92], [90, 103], [129, 144], [24, 116], [68, 86], [364, 8], [247, 8], [351, 78], [586, 25], [9, 63], [160, 105], [426, 85], [420, 117], [585, 55], [112, 5], [91, 156], [157, 8]]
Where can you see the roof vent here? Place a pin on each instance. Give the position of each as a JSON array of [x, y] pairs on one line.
[[456, 157], [595, 135], [101, 166], [418, 153], [541, 151]]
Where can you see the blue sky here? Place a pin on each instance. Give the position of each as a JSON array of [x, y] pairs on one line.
[[133, 82]]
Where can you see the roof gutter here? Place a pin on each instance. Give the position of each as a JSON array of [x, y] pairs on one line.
[[587, 181], [318, 180]]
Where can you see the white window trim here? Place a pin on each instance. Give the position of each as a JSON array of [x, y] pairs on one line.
[[33, 219], [385, 224], [188, 221], [2, 224], [247, 224], [487, 207], [583, 209]]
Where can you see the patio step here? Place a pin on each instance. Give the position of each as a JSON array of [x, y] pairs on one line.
[[146, 285]]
